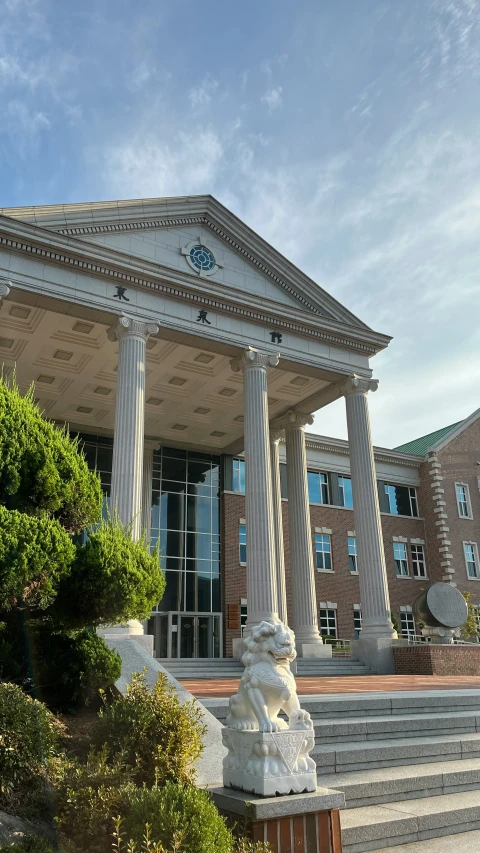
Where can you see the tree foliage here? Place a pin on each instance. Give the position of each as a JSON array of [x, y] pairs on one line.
[[42, 470]]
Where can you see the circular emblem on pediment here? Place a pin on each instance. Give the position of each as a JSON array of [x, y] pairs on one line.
[[200, 257]]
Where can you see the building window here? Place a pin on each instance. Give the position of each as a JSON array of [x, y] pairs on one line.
[[463, 500], [471, 558], [317, 488], [418, 561], [345, 489], [243, 616], [239, 476], [401, 500], [242, 544], [357, 623], [407, 624], [352, 554], [400, 556], [323, 550], [328, 623], [476, 610]]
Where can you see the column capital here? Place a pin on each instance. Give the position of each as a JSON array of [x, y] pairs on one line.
[[5, 286], [276, 434], [152, 444], [358, 385], [252, 357], [293, 419], [129, 326]]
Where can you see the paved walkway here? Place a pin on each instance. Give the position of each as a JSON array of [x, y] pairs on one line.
[[221, 688]]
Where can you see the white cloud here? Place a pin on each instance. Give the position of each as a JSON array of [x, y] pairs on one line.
[[200, 96], [273, 98]]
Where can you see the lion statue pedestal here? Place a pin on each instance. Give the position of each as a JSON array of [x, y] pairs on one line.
[[266, 754]]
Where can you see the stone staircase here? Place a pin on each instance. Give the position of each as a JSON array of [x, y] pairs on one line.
[[408, 763], [209, 668]]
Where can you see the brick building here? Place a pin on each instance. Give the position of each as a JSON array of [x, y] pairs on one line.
[[429, 496], [173, 339]]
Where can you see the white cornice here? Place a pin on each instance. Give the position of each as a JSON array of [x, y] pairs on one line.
[[100, 217], [382, 454], [118, 267]]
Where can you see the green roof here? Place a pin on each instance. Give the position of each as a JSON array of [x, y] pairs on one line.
[[422, 445]]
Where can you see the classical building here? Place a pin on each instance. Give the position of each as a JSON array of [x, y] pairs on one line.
[[189, 354]]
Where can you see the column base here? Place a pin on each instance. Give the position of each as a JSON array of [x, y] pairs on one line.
[[132, 630], [375, 652], [306, 645], [315, 650], [313, 819]]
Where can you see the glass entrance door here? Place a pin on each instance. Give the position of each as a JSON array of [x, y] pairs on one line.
[[186, 635]]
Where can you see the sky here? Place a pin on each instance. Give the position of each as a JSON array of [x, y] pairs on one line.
[[345, 132]]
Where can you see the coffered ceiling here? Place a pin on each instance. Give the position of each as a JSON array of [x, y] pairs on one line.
[[192, 395]]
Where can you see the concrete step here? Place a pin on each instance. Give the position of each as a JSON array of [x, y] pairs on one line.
[[462, 842], [356, 755], [399, 822], [395, 726], [361, 705], [387, 784]]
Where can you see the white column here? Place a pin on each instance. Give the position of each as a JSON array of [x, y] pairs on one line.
[[275, 436], [304, 600], [148, 447], [261, 577], [376, 621], [127, 465]]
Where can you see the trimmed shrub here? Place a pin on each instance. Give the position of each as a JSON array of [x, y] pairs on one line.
[[89, 797], [113, 579], [71, 668], [157, 735], [28, 735], [34, 555], [179, 814], [41, 467]]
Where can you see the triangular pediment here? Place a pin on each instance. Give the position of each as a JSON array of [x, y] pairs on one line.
[[162, 231]]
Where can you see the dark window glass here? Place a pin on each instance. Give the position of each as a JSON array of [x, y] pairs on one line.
[[216, 606], [90, 453], [204, 593], [199, 545], [199, 514], [173, 596], [173, 453], [172, 511], [174, 469], [104, 458], [199, 472], [171, 542]]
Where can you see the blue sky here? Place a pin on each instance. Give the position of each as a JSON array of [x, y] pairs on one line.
[[346, 132]]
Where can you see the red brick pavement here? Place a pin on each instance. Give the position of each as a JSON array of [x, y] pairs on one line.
[[220, 688]]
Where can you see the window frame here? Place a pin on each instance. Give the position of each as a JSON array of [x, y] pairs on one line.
[[237, 475], [398, 559], [474, 547], [242, 543], [406, 631], [412, 499], [325, 631], [341, 490], [468, 503], [322, 537], [416, 562], [324, 488], [352, 557], [357, 623]]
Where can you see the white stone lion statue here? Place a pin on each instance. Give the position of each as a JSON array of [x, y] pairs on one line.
[[267, 685]]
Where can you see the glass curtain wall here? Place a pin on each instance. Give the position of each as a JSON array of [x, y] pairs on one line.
[[186, 523]]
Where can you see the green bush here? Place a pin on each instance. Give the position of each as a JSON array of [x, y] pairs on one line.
[[29, 844], [157, 735], [113, 579], [88, 798], [34, 555], [41, 467], [178, 812], [28, 735], [72, 667]]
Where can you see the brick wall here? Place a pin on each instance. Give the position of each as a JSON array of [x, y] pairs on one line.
[[340, 586], [437, 660]]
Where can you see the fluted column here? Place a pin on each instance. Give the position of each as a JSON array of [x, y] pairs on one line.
[[149, 446], [261, 577], [127, 465], [275, 436], [304, 600], [376, 621]]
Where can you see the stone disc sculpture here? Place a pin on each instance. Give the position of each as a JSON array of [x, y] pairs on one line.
[[266, 754], [442, 609]]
